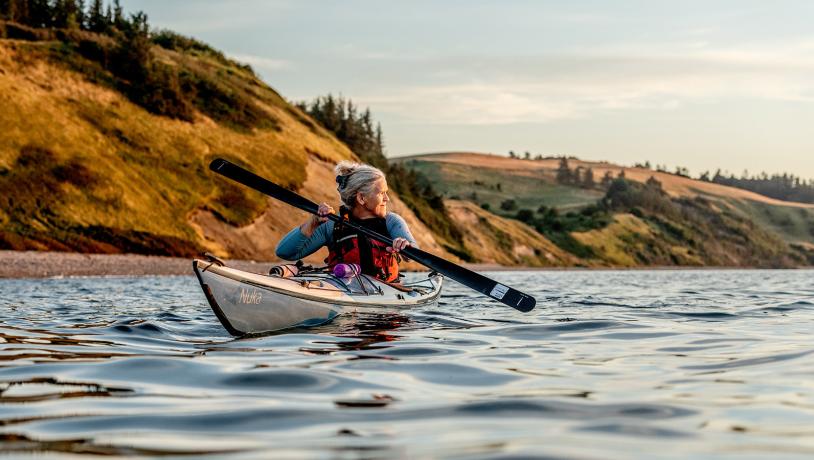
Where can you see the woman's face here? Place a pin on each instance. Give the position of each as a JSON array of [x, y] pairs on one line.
[[374, 204]]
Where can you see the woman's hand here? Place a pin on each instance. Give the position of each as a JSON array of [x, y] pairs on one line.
[[399, 244], [313, 222], [324, 210]]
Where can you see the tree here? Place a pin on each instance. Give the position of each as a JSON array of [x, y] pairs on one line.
[[512, 154], [525, 215], [96, 17], [588, 179], [607, 179], [527, 155], [38, 13], [563, 172], [63, 14], [508, 205], [81, 17], [118, 16]]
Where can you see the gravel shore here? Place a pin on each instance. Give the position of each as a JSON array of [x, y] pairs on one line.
[[34, 264], [37, 264]]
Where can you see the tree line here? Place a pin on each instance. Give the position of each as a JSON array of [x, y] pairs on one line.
[[111, 49], [787, 187], [582, 177], [66, 14]]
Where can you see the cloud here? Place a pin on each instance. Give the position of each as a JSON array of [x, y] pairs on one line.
[[535, 89], [264, 63]]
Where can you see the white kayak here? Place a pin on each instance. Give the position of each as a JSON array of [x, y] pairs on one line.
[[247, 303]]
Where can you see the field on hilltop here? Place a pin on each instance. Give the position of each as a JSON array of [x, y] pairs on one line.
[[492, 180]]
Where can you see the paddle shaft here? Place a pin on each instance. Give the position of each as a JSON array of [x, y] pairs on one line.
[[504, 294]]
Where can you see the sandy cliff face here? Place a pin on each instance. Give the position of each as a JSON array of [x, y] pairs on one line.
[[495, 240]]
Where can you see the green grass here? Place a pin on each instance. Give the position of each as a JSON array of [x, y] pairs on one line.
[[793, 224], [480, 185]]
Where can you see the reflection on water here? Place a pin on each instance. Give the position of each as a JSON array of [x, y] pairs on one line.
[[642, 364]]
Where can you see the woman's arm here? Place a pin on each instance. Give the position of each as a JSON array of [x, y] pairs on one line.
[[296, 245], [397, 227]]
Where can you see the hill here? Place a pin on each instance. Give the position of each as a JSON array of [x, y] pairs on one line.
[[88, 165], [656, 219]]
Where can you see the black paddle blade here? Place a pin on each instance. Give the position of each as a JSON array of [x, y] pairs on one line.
[[486, 286], [252, 180], [502, 293]]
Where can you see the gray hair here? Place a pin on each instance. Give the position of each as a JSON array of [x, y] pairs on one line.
[[353, 178]]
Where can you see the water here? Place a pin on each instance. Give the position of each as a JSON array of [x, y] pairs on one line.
[[627, 364]]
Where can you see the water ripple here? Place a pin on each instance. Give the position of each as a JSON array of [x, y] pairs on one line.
[[612, 364]]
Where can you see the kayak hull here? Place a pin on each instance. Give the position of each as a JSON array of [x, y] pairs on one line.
[[248, 303]]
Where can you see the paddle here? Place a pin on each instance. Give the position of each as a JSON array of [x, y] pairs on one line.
[[476, 281]]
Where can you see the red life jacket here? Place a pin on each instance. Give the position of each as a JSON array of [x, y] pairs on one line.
[[350, 247]]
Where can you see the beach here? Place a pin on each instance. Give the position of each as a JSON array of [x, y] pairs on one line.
[[43, 264]]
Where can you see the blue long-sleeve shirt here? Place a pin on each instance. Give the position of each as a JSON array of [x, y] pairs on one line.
[[295, 245]]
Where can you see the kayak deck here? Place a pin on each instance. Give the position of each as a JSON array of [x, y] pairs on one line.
[[247, 302]]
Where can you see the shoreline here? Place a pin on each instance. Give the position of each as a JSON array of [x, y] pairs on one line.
[[41, 264], [47, 264]]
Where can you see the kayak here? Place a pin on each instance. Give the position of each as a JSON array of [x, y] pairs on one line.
[[250, 303]]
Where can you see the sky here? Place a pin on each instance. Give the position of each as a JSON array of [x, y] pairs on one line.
[[698, 84]]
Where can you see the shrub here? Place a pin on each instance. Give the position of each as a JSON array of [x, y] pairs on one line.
[[525, 215], [21, 32], [508, 205], [75, 173]]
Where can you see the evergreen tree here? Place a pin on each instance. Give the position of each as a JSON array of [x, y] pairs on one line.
[[59, 14], [81, 17], [108, 17], [96, 17], [38, 13], [607, 179], [563, 172], [119, 21], [64, 14], [588, 179]]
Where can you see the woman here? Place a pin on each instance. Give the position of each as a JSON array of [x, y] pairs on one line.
[[363, 192]]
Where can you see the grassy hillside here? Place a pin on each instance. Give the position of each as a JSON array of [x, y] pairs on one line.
[[650, 218], [493, 239], [513, 179], [84, 167]]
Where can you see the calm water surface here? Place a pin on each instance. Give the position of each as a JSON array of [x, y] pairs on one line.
[[634, 364]]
